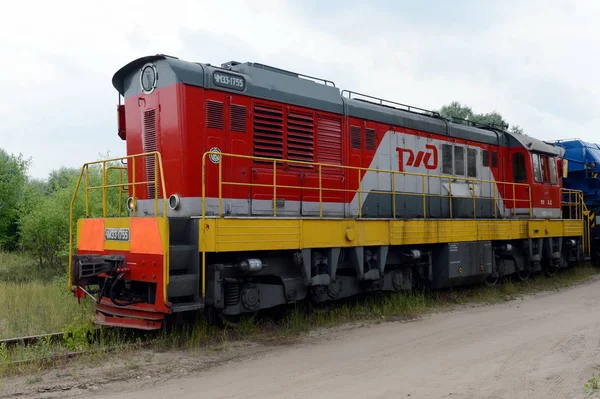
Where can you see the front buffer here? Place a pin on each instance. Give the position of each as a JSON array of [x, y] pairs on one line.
[[122, 264]]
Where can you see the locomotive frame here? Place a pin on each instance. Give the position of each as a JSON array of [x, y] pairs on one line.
[[252, 187]]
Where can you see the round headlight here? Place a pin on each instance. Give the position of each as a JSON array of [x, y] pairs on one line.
[[130, 203], [148, 78], [174, 201]]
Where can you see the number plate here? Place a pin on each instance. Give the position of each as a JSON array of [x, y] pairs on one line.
[[116, 234], [229, 81]]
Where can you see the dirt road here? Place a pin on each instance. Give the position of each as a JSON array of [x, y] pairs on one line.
[[542, 347]]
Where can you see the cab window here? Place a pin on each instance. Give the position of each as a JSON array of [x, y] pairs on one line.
[[545, 168], [537, 169], [553, 171]]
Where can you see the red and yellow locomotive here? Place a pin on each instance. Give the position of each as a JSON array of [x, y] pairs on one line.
[[252, 186]]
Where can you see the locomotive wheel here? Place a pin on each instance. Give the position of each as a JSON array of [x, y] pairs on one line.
[[523, 275], [491, 281], [229, 321], [234, 321], [550, 270]]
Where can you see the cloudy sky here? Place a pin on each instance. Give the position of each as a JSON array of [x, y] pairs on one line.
[[535, 62]]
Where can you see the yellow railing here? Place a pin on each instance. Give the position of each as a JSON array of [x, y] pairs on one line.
[[577, 210], [360, 191], [122, 176], [574, 202], [157, 182]]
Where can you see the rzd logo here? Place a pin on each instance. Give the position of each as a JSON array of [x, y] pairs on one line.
[[428, 158]]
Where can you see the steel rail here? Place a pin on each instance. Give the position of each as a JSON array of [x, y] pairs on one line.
[[33, 339]]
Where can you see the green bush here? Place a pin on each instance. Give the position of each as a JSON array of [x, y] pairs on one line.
[[44, 224], [12, 180]]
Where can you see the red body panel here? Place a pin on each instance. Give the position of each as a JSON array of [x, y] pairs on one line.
[[183, 135]]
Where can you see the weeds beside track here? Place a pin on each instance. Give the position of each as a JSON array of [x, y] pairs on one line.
[[85, 339]]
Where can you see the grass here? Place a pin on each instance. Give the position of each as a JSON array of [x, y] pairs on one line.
[[34, 301], [38, 307], [53, 308], [22, 268], [593, 385]]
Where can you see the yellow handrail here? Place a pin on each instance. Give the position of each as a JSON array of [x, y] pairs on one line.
[[105, 186], [122, 171], [470, 181], [576, 204]]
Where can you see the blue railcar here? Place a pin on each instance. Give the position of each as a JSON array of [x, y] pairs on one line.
[[583, 165], [583, 169]]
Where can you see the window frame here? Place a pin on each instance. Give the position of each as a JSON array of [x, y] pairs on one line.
[[553, 171], [537, 168], [545, 168]]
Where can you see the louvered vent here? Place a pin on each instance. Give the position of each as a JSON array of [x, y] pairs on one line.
[[355, 137], [300, 138], [330, 144], [268, 132], [370, 139], [237, 118], [150, 145], [214, 114]]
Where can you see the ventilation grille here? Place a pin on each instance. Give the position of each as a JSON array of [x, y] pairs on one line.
[[237, 118], [355, 137], [150, 145], [471, 162], [268, 132], [330, 144], [447, 159], [371, 139], [459, 161], [214, 114], [300, 138]]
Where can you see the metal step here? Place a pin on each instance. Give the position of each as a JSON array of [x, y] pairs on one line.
[[187, 306], [113, 316], [182, 256], [182, 231], [183, 285]]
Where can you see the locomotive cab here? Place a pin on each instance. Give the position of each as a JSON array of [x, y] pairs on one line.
[[534, 167]]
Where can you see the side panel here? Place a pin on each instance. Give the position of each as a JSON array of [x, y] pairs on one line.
[[461, 263]]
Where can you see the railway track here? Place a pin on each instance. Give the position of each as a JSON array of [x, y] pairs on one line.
[[33, 339], [61, 352], [131, 336], [30, 340]]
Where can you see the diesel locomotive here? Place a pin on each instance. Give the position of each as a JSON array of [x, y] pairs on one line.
[[251, 186]]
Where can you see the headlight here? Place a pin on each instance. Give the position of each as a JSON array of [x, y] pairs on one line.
[[130, 203], [174, 201], [148, 78]]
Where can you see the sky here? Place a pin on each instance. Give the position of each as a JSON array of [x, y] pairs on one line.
[[535, 62]]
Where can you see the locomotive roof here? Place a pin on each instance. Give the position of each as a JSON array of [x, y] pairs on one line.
[[269, 83]]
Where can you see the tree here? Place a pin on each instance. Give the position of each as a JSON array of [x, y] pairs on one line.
[[12, 181], [61, 178], [45, 224], [464, 114], [516, 129]]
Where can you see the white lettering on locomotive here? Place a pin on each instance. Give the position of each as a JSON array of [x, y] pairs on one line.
[[228, 80], [116, 234]]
